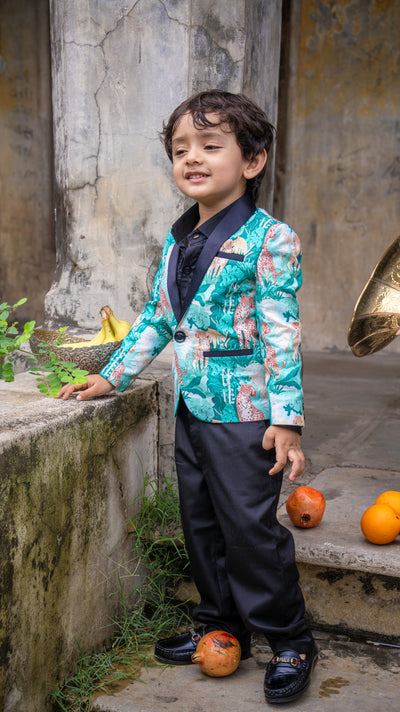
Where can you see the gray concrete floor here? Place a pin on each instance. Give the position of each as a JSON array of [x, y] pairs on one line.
[[348, 677], [352, 445]]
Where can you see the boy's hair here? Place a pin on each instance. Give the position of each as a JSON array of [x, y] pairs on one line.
[[245, 119]]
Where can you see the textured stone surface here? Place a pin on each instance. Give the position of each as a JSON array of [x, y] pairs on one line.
[[352, 409], [350, 441], [69, 475], [352, 450], [28, 254], [118, 71], [348, 583], [337, 541], [340, 178], [359, 603], [348, 676]]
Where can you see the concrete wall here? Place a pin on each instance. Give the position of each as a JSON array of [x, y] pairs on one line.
[[118, 71], [26, 159], [69, 475], [339, 152], [70, 471]]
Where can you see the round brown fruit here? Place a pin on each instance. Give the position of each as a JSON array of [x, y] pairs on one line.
[[305, 507], [217, 653]]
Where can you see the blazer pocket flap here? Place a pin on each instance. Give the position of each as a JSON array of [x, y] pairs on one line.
[[230, 256], [228, 352]]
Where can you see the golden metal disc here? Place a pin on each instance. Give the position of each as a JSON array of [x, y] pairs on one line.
[[376, 317]]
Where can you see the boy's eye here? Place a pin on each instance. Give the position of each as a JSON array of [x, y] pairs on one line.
[[210, 147], [179, 152]]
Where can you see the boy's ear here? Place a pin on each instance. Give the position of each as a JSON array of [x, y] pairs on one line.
[[255, 165]]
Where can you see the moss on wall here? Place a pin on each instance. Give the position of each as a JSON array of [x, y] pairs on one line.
[[67, 489]]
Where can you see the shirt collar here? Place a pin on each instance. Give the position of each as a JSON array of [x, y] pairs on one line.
[[187, 222]]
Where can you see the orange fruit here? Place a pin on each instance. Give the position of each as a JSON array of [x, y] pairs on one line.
[[392, 498], [380, 524]]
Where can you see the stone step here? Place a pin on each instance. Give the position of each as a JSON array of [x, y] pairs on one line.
[[349, 584], [349, 676]]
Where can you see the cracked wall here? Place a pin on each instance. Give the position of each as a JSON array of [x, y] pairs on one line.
[[119, 69]]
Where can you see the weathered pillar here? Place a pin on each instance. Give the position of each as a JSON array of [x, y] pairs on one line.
[[118, 71]]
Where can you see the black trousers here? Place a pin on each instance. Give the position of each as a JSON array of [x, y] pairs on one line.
[[242, 559]]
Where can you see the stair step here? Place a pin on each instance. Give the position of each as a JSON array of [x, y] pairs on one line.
[[349, 584]]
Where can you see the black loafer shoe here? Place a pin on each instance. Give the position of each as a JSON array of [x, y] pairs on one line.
[[287, 675], [179, 649]]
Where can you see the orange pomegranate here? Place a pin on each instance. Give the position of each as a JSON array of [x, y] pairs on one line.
[[305, 507], [217, 653], [392, 498], [380, 524]]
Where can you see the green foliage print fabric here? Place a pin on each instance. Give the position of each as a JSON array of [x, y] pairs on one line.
[[238, 355]]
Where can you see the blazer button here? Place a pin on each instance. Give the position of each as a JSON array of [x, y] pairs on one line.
[[179, 336]]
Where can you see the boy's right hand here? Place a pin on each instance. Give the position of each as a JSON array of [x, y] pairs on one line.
[[95, 386]]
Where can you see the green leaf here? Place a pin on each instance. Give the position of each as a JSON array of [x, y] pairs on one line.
[[67, 364], [80, 380], [53, 378], [21, 301], [7, 372], [65, 378], [29, 327], [6, 344]]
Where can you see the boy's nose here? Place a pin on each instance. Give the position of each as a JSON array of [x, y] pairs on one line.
[[192, 155]]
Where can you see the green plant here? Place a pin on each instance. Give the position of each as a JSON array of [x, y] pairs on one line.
[[162, 563], [53, 373], [11, 340]]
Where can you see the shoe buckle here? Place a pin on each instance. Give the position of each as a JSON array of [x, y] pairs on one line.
[[196, 636], [294, 662]]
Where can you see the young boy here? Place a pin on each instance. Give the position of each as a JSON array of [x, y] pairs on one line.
[[225, 293]]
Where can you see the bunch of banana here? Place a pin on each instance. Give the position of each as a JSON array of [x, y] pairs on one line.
[[112, 329]]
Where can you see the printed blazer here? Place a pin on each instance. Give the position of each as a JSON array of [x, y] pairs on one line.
[[237, 335]]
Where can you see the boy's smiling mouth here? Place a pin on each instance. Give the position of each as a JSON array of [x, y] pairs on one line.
[[194, 177]]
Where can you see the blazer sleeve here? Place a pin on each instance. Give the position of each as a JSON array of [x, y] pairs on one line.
[[278, 278], [148, 336]]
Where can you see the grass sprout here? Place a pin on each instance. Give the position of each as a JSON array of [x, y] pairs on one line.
[[150, 611]]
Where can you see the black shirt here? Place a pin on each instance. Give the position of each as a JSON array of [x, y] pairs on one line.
[[191, 242]]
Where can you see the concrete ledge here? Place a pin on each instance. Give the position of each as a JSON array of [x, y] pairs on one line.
[[352, 602], [348, 583], [69, 474], [338, 541], [70, 471]]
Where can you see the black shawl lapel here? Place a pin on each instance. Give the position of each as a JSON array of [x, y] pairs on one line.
[[171, 282], [240, 212]]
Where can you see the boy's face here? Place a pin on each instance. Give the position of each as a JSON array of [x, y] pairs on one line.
[[208, 164]]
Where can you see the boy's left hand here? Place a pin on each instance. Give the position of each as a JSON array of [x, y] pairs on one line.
[[287, 447]]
